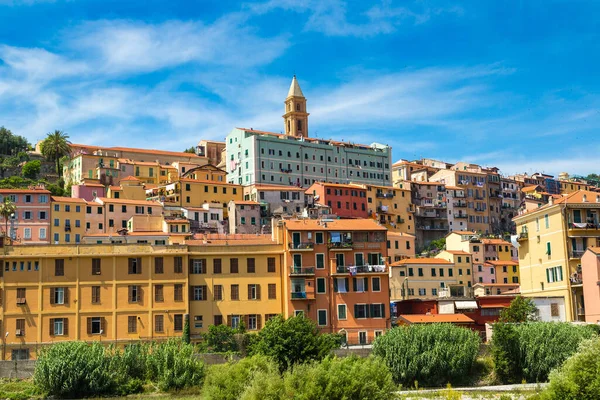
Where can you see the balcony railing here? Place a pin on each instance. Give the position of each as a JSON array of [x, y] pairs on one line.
[[301, 246], [296, 270], [459, 215], [577, 253], [340, 245], [360, 269]]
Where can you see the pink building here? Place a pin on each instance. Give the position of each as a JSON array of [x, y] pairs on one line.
[[30, 224], [590, 274]]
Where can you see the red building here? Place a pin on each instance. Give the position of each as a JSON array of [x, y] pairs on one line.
[[346, 201]]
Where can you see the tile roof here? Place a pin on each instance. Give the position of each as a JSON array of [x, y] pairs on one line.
[[334, 225], [61, 199], [424, 260], [436, 318]]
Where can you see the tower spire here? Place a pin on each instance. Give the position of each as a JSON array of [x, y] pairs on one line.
[[295, 117]]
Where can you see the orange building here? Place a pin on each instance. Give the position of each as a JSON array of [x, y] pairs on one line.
[[337, 276]]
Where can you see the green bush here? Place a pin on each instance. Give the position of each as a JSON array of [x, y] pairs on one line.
[[74, 370], [531, 350], [292, 341], [228, 381], [339, 379], [578, 377], [432, 355], [173, 365]]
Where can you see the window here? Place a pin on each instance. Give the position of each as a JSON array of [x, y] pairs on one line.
[[253, 292], [217, 266], [95, 294], [159, 265], [178, 292], [178, 265], [272, 291], [377, 310], [95, 325], [218, 292], [58, 296], [271, 264], [135, 266], [360, 311], [251, 266], [159, 293], [341, 311], [135, 294], [233, 266], [376, 283], [131, 324], [198, 293], [320, 285], [159, 323], [178, 322], [235, 292]]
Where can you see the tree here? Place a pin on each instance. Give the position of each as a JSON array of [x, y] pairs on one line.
[[32, 169], [521, 309], [293, 341], [55, 146], [7, 208]]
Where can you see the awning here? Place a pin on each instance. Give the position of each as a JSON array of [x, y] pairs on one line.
[[466, 305]]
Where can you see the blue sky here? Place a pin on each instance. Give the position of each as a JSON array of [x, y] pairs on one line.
[[515, 84]]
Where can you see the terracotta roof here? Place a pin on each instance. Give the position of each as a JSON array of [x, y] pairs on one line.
[[245, 202], [126, 201], [335, 225], [260, 186], [495, 241], [25, 191], [61, 199], [436, 318], [502, 263], [424, 260], [458, 252]]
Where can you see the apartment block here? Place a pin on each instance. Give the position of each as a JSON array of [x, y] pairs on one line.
[[30, 223], [335, 274]]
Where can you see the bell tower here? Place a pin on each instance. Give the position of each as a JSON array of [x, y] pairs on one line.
[[295, 117]]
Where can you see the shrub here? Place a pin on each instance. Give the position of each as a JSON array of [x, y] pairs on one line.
[[432, 355], [74, 370], [174, 366], [577, 378], [530, 351], [228, 381], [293, 340], [340, 378]]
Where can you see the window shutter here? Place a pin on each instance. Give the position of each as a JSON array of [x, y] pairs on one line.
[[354, 284], [366, 284], [335, 285], [66, 291], [190, 265], [249, 292], [347, 284], [355, 310], [258, 321], [89, 326], [51, 326], [258, 292], [52, 292], [66, 326], [139, 265]]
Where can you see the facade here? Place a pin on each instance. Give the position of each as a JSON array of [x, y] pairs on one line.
[[30, 223], [244, 217], [296, 159], [346, 201], [335, 274], [552, 239]]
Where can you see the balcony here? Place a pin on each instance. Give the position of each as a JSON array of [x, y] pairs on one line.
[[460, 215], [301, 271], [360, 269], [381, 195], [576, 253], [301, 246], [462, 204], [340, 246]]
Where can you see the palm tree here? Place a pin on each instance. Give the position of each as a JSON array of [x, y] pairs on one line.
[[7, 208], [55, 146]]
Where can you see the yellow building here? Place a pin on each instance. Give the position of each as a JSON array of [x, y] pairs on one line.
[[112, 293], [67, 216], [234, 280], [552, 240]]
